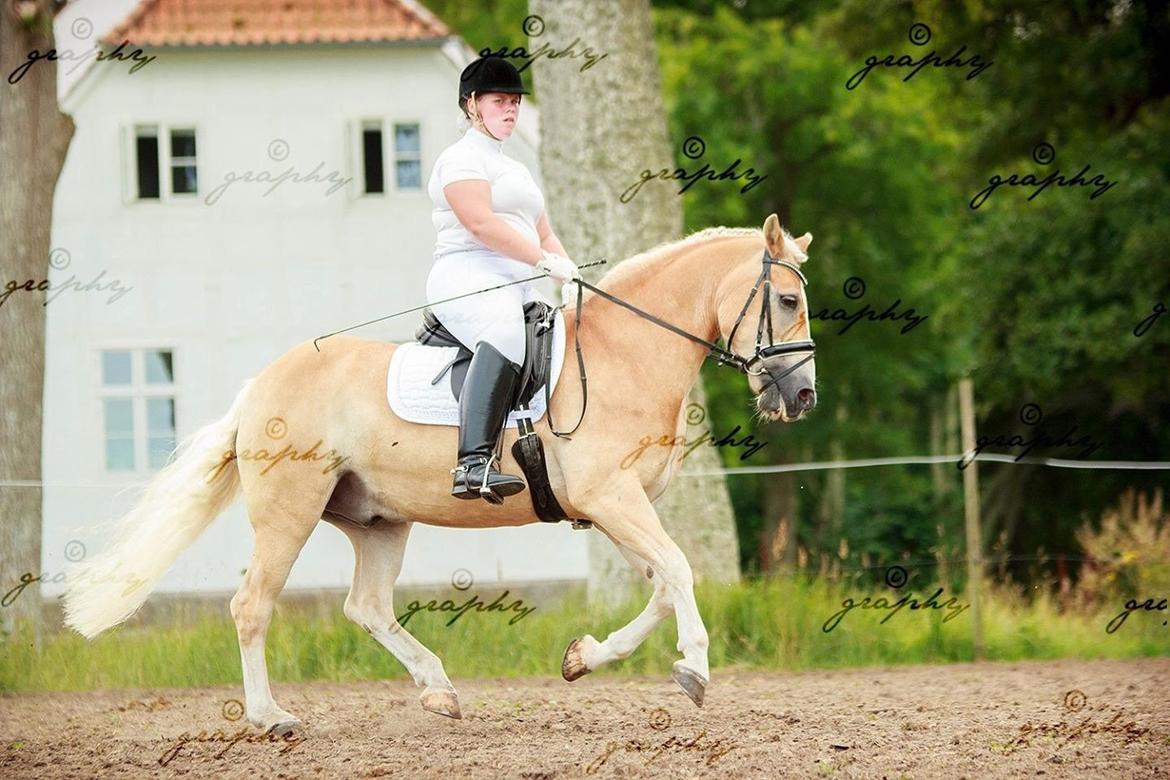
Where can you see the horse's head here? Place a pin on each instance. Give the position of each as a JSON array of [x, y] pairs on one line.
[[774, 342]]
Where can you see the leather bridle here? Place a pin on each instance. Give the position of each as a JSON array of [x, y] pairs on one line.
[[721, 355], [773, 349]]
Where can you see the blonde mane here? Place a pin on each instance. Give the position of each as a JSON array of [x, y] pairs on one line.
[[642, 260]]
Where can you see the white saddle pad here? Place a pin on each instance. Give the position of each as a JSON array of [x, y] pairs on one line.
[[413, 398]]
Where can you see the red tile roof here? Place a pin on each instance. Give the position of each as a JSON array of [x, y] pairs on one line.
[[262, 22]]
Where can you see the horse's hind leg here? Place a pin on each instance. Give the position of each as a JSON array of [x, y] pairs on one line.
[[378, 554], [626, 639], [277, 544]]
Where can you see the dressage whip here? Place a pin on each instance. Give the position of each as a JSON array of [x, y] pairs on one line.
[[445, 300]]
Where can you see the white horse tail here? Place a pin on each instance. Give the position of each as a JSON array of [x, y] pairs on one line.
[[196, 485]]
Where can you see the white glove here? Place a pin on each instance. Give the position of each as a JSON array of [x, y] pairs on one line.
[[569, 293], [559, 267]]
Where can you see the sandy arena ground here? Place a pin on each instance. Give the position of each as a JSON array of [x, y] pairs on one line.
[[1079, 719]]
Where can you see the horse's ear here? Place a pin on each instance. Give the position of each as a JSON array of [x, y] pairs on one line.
[[774, 237], [803, 241]]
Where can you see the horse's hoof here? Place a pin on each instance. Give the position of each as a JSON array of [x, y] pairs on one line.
[[441, 703], [692, 684], [572, 666], [275, 721], [285, 727]]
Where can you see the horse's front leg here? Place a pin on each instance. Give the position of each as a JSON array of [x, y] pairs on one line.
[[626, 515], [586, 654]]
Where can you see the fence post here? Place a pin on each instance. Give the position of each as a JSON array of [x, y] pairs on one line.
[[971, 514]]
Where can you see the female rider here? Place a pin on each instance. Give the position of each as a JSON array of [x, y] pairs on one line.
[[492, 228]]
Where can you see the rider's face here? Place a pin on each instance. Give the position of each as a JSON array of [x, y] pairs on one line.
[[499, 111]]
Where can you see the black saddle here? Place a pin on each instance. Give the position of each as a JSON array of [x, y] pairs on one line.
[[537, 368], [535, 373]]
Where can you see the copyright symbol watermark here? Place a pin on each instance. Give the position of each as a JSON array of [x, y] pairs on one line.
[[1074, 701], [694, 147], [74, 551], [896, 577], [660, 719], [233, 709], [854, 287], [278, 150], [1044, 153], [919, 34], [461, 579]]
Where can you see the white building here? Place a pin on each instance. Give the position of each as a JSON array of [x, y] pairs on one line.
[[226, 273]]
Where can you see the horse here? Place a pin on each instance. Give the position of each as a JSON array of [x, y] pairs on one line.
[[395, 473]]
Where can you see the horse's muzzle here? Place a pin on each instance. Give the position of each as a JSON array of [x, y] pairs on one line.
[[787, 401], [803, 401]]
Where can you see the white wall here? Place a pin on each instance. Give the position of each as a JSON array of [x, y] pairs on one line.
[[232, 286]]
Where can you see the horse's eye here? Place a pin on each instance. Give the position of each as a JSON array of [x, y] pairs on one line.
[[789, 301]]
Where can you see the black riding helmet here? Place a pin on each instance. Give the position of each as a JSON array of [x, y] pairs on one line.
[[490, 74]]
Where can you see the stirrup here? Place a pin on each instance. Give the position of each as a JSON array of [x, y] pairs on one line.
[[461, 479], [485, 492]]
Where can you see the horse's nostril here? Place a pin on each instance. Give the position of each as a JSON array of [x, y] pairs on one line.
[[806, 398]]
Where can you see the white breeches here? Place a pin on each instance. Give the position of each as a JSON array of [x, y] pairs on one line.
[[496, 317]]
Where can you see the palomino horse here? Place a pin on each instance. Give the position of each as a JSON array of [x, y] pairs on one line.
[[397, 473]]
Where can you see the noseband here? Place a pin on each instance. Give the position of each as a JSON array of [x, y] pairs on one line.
[[723, 356]]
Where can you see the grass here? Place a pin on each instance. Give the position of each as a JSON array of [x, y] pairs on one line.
[[774, 624]]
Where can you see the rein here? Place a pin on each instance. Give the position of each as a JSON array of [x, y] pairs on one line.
[[723, 356]]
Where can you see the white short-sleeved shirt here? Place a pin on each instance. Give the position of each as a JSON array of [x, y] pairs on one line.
[[515, 197]]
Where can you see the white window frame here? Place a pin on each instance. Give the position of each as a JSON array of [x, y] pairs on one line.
[[138, 391], [355, 154], [162, 131], [393, 165], [171, 161]]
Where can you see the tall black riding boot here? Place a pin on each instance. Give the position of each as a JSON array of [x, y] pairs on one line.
[[484, 403]]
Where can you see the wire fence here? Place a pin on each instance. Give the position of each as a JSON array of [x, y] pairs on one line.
[[926, 460], [825, 465]]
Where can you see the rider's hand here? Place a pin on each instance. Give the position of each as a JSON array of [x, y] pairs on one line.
[[559, 267], [569, 293]]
